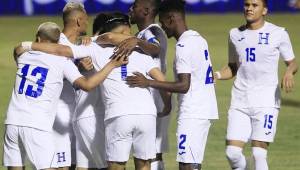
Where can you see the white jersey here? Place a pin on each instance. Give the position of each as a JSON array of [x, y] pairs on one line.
[[38, 85], [192, 57], [257, 53], [89, 103], [154, 34], [119, 98], [67, 97]]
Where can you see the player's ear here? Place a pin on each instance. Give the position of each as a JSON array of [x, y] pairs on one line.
[[78, 22], [265, 11], [38, 39], [146, 11]]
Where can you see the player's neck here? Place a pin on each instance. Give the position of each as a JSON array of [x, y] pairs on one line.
[[256, 25], [71, 34], [180, 29], [145, 23]]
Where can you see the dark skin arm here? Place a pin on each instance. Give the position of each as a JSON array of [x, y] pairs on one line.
[[182, 85]]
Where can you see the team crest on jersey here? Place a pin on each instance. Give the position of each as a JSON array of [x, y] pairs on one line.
[[263, 38]]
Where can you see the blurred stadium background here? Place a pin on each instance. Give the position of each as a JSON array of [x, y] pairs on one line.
[[19, 20]]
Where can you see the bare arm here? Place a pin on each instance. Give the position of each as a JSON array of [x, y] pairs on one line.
[[87, 84], [226, 72], [180, 86], [288, 81], [52, 48], [111, 38]]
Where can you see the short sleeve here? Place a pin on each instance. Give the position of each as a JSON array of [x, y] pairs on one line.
[[183, 60], [232, 54], [285, 47], [150, 37], [81, 51], [71, 72]]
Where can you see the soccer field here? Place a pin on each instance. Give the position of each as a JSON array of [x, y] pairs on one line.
[[284, 154]]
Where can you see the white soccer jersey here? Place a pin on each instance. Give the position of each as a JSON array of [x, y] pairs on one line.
[[192, 57], [119, 98], [257, 53], [154, 34], [39, 82], [67, 97]]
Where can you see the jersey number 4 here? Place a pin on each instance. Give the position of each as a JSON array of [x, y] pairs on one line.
[[40, 82], [209, 79]]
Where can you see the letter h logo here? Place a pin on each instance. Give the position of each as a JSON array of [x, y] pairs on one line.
[[61, 157], [264, 38]]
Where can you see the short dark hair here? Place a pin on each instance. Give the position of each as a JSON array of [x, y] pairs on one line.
[[172, 6], [105, 22]]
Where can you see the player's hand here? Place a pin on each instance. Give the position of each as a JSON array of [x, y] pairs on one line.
[[117, 62], [138, 80], [86, 40], [166, 111], [125, 47], [86, 64], [288, 82]]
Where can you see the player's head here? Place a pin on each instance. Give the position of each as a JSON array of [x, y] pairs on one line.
[[170, 13], [255, 10], [111, 22], [142, 9], [74, 16], [48, 32]]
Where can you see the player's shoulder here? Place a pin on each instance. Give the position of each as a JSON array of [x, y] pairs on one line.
[[189, 39], [274, 28], [237, 30]]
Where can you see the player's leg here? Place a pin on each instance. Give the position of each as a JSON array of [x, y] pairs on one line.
[[238, 133], [118, 141], [162, 126], [191, 139], [90, 139], [264, 124], [144, 149], [39, 147], [13, 151]]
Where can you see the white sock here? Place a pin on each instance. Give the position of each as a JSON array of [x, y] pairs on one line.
[[235, 157], [157, 165], [260, 158]]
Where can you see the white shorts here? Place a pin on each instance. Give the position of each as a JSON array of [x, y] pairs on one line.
[[252, 124], [37, 145], [65, 145], [191, 139], [162, 124], [90, 142], [124, 132]]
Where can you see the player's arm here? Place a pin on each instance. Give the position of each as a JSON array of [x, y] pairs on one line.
[[129, 44], [87, 84], [112, 38], [288, 81], [157, 75], [182, 85], [17, 52]]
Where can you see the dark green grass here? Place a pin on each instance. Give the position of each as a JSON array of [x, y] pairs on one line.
[[284, 154]]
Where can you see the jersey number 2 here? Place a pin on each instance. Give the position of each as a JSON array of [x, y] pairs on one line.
[[40, 82]]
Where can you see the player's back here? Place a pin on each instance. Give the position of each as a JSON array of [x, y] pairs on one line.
[[119, 98], [38, 84], [192, 57]]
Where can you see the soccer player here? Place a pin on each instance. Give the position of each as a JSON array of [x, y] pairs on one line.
[[254, 50], [194, 83], [32, 108], [75, 22]]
